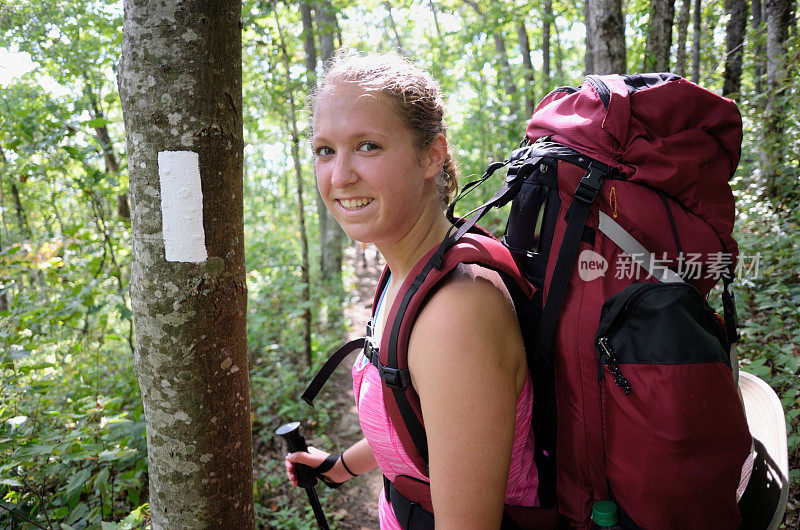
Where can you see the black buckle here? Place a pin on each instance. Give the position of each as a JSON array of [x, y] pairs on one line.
[[393, 377], [590, 184]]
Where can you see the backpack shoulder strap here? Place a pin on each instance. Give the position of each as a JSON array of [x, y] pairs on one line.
[[401, 400]]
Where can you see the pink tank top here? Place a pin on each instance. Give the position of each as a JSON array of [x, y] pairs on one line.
[[393, 460]]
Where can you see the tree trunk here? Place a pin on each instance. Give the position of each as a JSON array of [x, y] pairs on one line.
[[734, 47], [659, 35], [606, 32], [3, 297], [435, 19], [110, 158], [301, 210], [759, 53], [559, 57], [180, 84], [588, 53], [696, 41], [331, 236], [547, 19], [530, 82], [506, 77], [22, 217], [309, 47], [397, 40], [683, 30], [778, 18]]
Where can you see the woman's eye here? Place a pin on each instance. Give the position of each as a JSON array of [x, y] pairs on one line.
[[368, 147], [323, 151]]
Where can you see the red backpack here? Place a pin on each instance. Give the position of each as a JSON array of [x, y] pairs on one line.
[[620, 225]]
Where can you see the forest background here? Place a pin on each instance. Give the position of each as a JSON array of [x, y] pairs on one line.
[[72, 444]]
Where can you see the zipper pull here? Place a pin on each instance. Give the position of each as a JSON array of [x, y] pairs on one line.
[[607, 357]]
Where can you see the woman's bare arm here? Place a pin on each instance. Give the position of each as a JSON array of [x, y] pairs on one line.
[[468, 366]]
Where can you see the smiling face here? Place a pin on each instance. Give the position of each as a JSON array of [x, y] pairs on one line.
[[371, 175]]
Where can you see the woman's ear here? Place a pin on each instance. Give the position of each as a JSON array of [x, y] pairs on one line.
[[435, 156]]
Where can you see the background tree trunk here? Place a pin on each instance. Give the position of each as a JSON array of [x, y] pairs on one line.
[[22, 217], [659, 35], [109, 157], [588, 52], [778, 18], [180, 83], [301, 209], [525, 50], [759, 52], [397, 40], [331, 235], [683, 30], [607, 34], [3, 297], [696, 41], [509, 85], [547, 19], [734, 47]]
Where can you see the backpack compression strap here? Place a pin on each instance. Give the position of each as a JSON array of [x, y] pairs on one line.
[[578, 213]]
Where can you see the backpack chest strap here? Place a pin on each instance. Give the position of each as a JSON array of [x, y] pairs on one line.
[[394, 378]]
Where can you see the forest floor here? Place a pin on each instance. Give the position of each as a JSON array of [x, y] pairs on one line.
[[357, 501], [353, 506]]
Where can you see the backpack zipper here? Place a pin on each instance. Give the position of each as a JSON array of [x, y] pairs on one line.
[[608, 358]]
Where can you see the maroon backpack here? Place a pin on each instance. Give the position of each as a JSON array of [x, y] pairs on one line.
[[620, 225]]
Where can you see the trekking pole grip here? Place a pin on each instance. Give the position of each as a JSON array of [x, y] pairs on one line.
[[296, 442]]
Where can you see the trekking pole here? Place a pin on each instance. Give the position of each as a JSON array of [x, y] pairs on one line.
[[305, 475]]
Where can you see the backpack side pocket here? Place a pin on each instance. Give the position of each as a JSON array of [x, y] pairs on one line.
[[675, 431]]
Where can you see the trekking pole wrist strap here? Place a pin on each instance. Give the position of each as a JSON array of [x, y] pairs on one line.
[[344, 464]]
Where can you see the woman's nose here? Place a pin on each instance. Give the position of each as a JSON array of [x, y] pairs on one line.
[[343, 171]]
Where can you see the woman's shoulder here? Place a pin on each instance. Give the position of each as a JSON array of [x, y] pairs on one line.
[[474, 302], [470, 285]]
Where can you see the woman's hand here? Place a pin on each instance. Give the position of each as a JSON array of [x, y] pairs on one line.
[[359, 459], [313, 459]]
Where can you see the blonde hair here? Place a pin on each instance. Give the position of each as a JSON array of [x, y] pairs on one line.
[[414, 93]]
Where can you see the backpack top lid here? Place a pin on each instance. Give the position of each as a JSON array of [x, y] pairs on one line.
[[657, 129]]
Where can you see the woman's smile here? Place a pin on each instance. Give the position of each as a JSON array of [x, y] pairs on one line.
[[355, 204]]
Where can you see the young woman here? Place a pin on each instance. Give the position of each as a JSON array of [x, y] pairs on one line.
[[386, 173]]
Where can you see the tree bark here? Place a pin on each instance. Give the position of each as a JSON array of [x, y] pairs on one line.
[[180, 84], [547, 19], [778, 18], [696, 41], [606, 33], [530, 82], [683, 30], [734, 47], [659, 35]]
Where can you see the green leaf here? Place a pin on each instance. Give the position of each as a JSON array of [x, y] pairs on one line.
[[75, 486], [97, 123], [14, 483]]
